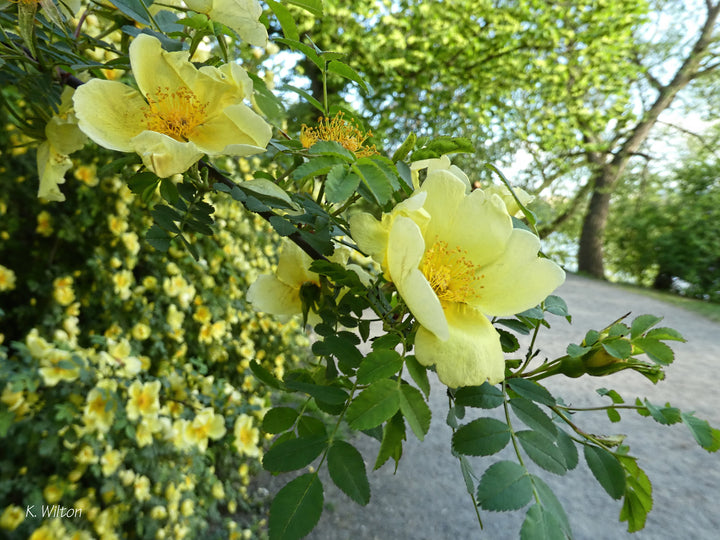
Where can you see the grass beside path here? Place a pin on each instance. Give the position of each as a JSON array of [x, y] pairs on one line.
[[707, 309]]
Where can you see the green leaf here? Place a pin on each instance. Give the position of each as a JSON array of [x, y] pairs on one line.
[[377, 403], [533, 416], [158, 238], [443, 145], [346, 71], [541, 524], [379, 364], [514, 324], [143, 181], [347, 470], [418, 372], [664, 415], [296, 508], [166, 217], [556, 305], [391, 445], [667, 334], [293, 454], [576, 351], [268, 192], [481, 437], [619, 348], [134, 9], [379, 185], [308, 51], [532, 391], [638, 495], [508, 341], [263, 375], [309, 426], [551, 504], [278, 419], [542, 451], [332, 148], [505, 485], [316, 167], [642, 324], [282, 226], [607, 470], [342, 348], [415, 409], [612, 394], [328, 394], [340, 184], [286, 20], [169, 191], [309, 98], [656, 351], [701, 430], [485, 396], [311, 6], [568, 448]]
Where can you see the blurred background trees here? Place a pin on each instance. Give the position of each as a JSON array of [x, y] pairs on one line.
[[567, 96]]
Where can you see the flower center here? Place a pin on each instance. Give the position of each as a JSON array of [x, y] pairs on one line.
[[450, 273], [175, 114], [338, 129]]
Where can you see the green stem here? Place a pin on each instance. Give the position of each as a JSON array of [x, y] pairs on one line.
[[529, 355], [472, 495]]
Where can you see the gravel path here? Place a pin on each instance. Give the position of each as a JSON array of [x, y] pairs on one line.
[[426, 498]]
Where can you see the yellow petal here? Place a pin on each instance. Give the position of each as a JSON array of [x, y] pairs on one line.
[[155, 68], [242, 16], [480, 226], [270, 295], [293, 264], [519, 279], [218, 88], [110, 113], [406, 248], [164, 155], [445, 192], [238, 131], [470, 356], [369, 235], [52, 167]]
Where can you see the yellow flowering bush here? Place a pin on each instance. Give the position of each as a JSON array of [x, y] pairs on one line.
[[126, 393]]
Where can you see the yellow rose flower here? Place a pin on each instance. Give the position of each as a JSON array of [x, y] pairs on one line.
[[206, 425], [467, 261], [99, 411], [7, 279], [246, 436], [279, 294], [179, 113], [63, 138], [144, 399], [11, 517], [240, 15]]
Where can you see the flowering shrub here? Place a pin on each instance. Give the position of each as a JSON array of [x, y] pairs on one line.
[[126, 399], [128, 372]]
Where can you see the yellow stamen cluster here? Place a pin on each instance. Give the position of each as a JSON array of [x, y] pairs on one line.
[[450, 273], [176, 114], [339, 130]]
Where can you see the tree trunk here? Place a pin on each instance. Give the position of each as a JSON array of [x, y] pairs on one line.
[[590, 252]]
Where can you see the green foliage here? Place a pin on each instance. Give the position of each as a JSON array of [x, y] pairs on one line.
[[665, 230]]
